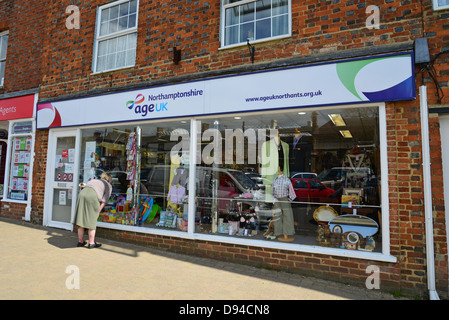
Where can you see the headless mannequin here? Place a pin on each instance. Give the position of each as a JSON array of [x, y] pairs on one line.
[[274, 151], [285, 237], [296, 138]]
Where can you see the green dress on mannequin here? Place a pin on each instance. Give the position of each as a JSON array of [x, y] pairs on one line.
[[272, 151]]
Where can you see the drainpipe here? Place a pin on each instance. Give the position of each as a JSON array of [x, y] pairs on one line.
[[433, 295]]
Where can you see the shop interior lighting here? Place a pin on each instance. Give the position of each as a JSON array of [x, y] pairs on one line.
[[346, 133], [337, 120], [120, 131]]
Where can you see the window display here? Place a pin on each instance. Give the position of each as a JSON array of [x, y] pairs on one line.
[[308, 177], [149, 180], [21, 140], [312, 177]]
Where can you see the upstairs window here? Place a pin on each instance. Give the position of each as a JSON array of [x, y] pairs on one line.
[[3, 47], [440, 4], [254, 20], [116, 35]]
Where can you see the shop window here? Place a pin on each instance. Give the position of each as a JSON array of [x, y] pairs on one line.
[[116, 37], [3, 49], [254, 20], [334, 178], [21, 142], [440, 4], [149, 180], [329, 159]]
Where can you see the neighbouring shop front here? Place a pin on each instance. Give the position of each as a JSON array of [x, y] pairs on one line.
[[207, 159], [17, 130]]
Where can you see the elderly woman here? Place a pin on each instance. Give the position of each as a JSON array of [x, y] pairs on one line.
[[91, 200]]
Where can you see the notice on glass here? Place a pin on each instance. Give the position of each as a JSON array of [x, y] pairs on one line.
[[90, 151], [89, 174], [71, 155], [22, 157], [62, 197], [58, 161], [69, 168]]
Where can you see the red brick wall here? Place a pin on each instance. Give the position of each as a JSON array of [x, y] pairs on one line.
[[39, 172], [319, 29], [12, 210], [23, 20], [23, 64]]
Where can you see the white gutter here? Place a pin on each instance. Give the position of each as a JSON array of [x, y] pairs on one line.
[[433, 295]]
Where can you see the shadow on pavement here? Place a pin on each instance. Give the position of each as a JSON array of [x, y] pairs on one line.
[[64, 239]]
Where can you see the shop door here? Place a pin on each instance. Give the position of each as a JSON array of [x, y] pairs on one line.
[[62, 177]]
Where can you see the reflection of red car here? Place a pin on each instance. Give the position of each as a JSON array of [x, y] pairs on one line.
[[309, 190]]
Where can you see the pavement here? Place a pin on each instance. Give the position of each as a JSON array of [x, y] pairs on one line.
[[41, 263]]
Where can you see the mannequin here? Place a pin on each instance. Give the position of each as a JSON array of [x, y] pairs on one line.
[[298, 136], [301, 150], [282, 191], [274, 152]]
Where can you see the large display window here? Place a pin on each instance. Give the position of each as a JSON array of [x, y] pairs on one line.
[[305, 176]]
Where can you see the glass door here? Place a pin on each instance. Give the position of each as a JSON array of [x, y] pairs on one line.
[[62, 177]]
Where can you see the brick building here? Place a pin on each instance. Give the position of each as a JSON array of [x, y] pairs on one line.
[[20, 78], [336, 81]]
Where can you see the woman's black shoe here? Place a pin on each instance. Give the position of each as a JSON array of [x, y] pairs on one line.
[[95, 245], [81, 244]]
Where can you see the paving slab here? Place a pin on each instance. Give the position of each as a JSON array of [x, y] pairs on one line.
[[44, 263]]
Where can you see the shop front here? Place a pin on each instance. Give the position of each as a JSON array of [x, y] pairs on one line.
[[17, 129], [292, 159]]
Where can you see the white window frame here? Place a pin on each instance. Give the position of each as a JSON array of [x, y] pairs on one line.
[[99, 38], [2, 79], [436, 6], [11, 136], [225, 5]]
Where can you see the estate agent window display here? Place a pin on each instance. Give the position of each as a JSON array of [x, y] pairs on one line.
[[21, 146]]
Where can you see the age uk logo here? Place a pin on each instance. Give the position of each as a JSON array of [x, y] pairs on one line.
[[144, 109]]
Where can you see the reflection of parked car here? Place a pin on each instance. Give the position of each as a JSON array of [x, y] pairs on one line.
[[309, 190], [303, 175], [117, 180], [335, 177], [257, 178], [230, 183]]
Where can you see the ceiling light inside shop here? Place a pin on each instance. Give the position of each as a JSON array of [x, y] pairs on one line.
[[301, 113], [337, 120], [120, 131], [346, 133], [237, 118]]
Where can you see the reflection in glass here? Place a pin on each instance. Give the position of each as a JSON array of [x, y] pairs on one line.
[[161, 180], [326, 170], [241, 164]]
